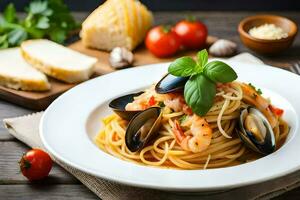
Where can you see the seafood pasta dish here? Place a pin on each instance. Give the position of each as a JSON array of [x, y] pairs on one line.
[[196, 117]]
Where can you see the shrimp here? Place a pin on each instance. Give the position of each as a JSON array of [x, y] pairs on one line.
[[200, 138], [143, 101], [176, 102], [150, 98], [138, 104], [251, 96]]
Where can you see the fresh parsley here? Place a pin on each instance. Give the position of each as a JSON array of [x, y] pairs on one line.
[[257, 90], [44, 19], [182, 118], [200, 89], [161, 104]]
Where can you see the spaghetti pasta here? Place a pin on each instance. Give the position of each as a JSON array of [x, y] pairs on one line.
[[224, 148]]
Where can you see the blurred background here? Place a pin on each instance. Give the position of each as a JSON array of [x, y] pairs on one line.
[[168, 5], [220, 16]]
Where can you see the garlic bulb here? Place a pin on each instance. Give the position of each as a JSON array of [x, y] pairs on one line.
[[223, 48], [120, 57]]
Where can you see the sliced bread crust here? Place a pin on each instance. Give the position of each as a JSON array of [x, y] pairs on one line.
[[69, 74], [15, 73], [26, 85]]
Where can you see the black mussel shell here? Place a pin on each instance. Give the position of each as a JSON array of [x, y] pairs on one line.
[[266, 144], [118, 106], [170, 83], [142, 128]]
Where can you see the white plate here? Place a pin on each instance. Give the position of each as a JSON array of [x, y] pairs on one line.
[[70, 123]]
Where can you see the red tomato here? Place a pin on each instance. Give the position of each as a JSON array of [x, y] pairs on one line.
[[152, 101], [35, 164], [276, 111], [193, 34], [162, 42]]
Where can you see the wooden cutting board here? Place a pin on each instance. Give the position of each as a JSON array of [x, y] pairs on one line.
[[41, 100]]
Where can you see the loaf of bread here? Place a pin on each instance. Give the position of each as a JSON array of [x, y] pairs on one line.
[[17, 74], [58, 61], [116, 23]]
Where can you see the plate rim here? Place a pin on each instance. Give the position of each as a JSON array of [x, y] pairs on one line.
[[145, 185]]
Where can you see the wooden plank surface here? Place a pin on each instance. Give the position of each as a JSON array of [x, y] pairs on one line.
[[11, 153], [141, 56], [63, 186], [45, 192]]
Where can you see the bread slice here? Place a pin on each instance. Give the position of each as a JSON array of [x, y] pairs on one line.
[[17, 74], [116, 23], [58, 61]]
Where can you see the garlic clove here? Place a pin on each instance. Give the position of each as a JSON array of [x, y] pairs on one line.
[[120, 57], [223, 48]]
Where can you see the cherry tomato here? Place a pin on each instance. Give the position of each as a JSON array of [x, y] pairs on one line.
[[35, 164], [162, 42], [193, 34], [152, 101], [276, 111]]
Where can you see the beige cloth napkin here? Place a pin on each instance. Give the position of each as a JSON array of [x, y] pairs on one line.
[[26, 129]]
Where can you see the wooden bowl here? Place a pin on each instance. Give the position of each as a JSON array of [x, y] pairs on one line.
[[264, 46]]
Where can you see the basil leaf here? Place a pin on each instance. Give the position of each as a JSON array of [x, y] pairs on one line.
[[218, 71], [183, 67], [202, 58], [199, 93]]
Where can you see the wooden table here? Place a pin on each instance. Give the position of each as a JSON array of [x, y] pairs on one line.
[[61, 185]]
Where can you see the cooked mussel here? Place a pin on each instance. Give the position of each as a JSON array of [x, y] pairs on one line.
[[118, 105], [170, 83], [142, 128], [256, 131]]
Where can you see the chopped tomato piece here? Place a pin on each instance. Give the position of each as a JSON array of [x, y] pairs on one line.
[[152, 101], [187, 110], [276, 111], [115, 137]]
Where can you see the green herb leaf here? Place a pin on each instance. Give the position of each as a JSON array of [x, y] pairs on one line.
[[257, 90], [199, 93], [250, 84], [10, 13], [17, 36], [202, 58], [183, 67], [58, 35], [219, 71], [161, 104], [43, 23], [182, 118], [40, 22], [37, 7], [35, 32], [3, 42], [200, 89]]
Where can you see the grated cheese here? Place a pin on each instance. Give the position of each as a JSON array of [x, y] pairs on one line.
[[268, 32]]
